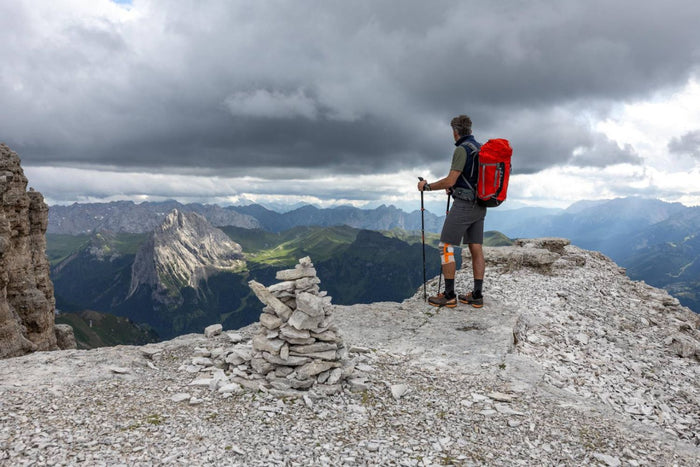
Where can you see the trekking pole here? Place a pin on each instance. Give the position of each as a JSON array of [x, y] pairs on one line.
[[422, 235], [447, 211]]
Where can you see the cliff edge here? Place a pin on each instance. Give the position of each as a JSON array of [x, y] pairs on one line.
[[26, 292]]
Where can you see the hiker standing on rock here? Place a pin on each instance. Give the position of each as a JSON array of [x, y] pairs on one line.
[[465, 221]]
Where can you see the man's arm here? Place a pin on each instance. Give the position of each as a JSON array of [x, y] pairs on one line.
[[447, 182]]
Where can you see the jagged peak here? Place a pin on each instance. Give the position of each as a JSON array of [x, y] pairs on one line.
[[184, 249]]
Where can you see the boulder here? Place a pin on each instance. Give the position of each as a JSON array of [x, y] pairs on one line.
[[65, 338]]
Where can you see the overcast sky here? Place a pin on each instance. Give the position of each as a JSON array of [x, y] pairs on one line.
[[348, 101]]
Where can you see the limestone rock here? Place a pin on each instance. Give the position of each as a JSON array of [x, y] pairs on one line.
[[311, 348], [399, 390], [213, 330], [553, 244], [263, 344], [316, 367], [310, 304], [180, 252], [26, 292], [685, 347], [65, 338], [301, 320], [265, 296], [270, 321], [538, 254], [289, 361], [289, 332]]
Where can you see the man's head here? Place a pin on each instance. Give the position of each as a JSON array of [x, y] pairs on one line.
[[462, 126]]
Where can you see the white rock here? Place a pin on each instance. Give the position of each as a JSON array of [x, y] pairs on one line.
[[335, 376], [327, 336], [289, 361], [301, 320], [202, 361], [235, 337], [611, 461], [317, 347], [581, 338], [288, 331], [231, 388], [287, 286], [297, 273], [201, 352], [315, 367], [270, 321], [284, 351], [264, 295], [327, 355], [357, 384], [213, 330], [307, 400], [506, 410], [262, 344], [150, 352], [399, 390], [499, 396], [180, 396], [202, 382]]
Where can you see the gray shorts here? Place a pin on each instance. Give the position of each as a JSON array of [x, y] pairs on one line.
[[464, 223]]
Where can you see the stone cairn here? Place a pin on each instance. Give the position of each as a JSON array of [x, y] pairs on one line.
[[297, 346]]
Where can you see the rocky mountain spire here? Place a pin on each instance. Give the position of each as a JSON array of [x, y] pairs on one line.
[[183, 250], [26, 292]]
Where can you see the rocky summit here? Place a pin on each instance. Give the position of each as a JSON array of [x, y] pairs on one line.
[[569, 362], [184, 249], [26, 292]]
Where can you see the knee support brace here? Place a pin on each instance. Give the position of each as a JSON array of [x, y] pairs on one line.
[[447, 253]]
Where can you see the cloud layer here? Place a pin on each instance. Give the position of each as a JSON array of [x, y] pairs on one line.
[[279, 89]]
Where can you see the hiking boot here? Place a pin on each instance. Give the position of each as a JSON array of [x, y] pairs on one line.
[[440, 300], [470, 299]]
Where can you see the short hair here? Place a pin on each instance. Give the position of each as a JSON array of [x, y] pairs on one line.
[[462, 125]]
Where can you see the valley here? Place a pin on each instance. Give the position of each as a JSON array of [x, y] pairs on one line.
[[109, 272]]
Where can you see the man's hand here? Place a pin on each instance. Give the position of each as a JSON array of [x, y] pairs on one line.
[[421, 185]]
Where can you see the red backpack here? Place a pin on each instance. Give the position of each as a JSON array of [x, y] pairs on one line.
[[494, 171]]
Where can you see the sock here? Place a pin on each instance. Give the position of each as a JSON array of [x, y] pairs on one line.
[[478, 283], [449, 288]]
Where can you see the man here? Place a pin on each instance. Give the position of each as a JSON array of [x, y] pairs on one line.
[[465, 221]]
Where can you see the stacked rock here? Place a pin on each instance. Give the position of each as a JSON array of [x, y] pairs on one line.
[[298, 347]]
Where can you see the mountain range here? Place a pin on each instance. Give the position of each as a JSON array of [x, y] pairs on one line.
[[129, 217], [187, 273], [655, 240]]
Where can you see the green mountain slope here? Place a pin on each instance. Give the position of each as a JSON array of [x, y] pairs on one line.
[[674, 266], [93, 329]]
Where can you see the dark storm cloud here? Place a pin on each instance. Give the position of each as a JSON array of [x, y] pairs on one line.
[[688, 144], [251, 88]]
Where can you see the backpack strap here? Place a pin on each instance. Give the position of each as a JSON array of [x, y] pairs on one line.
[[475, 152]]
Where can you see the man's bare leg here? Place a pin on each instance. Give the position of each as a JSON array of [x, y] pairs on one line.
[[478, 262], [448, 270], [474, 298]]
